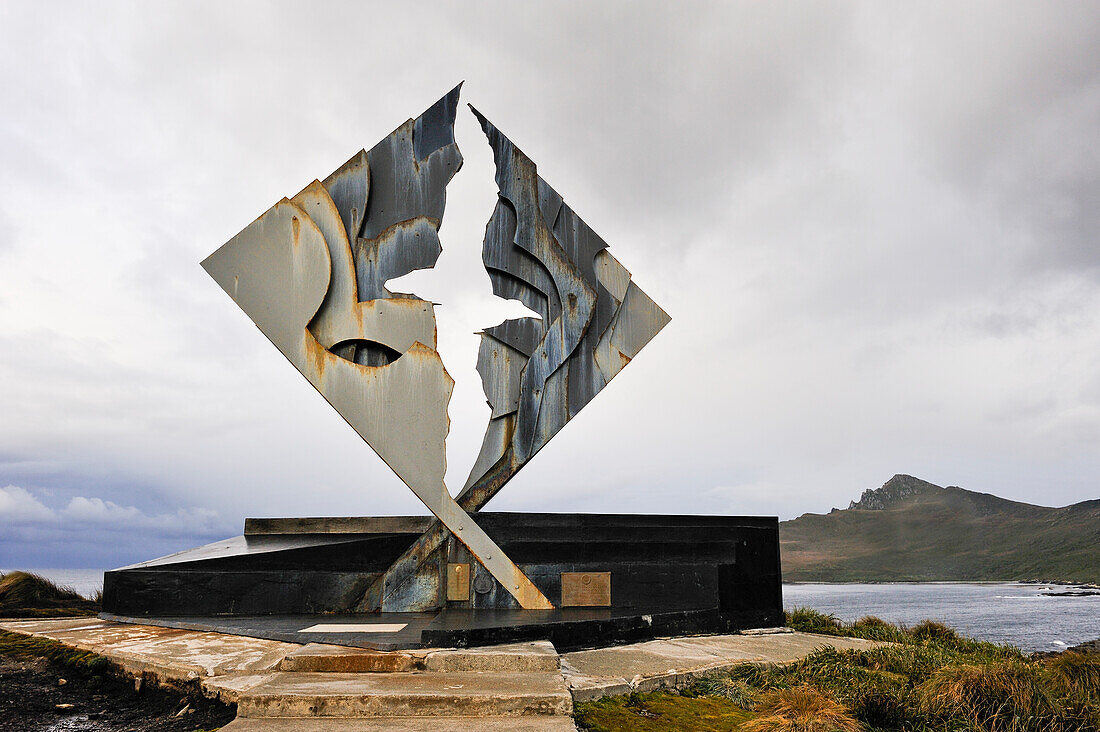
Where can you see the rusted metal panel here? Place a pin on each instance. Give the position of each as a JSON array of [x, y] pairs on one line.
[[458, 582], [538, 373], [501, 369], [311, 273], [539, 251], [586, 589]]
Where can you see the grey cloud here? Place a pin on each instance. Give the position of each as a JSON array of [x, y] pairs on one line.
[[1000, 103], [691, 97], [111, 533], [9, 235], [873, 225], [20, 507]]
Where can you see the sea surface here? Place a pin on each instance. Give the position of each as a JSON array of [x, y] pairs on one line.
[[1001, 612]]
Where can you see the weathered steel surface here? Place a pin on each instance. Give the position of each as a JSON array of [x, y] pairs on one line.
[[311, 273], [537, 373], [337, 525]]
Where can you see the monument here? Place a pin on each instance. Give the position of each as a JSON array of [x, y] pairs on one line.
[[311, 273]]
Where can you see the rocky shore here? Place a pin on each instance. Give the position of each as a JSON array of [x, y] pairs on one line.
[[39, 694], [1092, 646]]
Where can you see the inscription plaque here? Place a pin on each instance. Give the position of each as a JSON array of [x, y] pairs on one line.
[[458, 582], [586, 589]]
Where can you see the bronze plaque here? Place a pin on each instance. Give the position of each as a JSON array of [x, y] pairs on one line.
[[586, 589], [458, 582]]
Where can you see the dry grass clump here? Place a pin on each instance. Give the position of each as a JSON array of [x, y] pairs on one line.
[[996, 696], [801, 709], [872, 621], [737, 690], [914, 662], [873, 628], [23, 593], [1074, 675], [931, 630], [808, 620]]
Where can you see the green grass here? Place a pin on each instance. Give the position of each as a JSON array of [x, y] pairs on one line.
[[14, 645], [928, 678], [660, 712]]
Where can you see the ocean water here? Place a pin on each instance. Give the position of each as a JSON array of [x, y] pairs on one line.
[[1001, 612]]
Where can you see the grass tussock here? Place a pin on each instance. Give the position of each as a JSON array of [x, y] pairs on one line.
[[1074, 675], [988, 697], [23, 594], [808, 620], [931, 630], [801, 709], [927, 678], [736, 690]]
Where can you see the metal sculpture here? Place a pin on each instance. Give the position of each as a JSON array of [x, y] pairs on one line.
[[311, 273], [537, 373]]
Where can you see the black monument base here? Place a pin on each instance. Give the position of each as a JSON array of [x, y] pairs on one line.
[[668, 575]]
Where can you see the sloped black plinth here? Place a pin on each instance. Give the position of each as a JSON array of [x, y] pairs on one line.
[[567, 628], [670, 575]]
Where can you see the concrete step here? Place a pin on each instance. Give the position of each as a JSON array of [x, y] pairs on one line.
[[342, 659], [404, 724], [459, 694], [534, 657]]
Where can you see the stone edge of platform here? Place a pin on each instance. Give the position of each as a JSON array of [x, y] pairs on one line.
[[589, 688], [228, 685], [586, 688]]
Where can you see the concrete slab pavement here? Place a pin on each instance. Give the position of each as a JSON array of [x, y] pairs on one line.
[[170, 654], [458, 694], [674, 662], [276, 681]]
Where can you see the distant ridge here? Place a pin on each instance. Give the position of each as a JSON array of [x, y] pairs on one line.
[[913, 530]]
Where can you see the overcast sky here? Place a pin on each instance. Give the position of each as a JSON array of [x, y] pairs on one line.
[[876, 227]]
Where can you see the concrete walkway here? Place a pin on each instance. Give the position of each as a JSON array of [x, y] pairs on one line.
[[171, 655], [287, 687], [676, 662]]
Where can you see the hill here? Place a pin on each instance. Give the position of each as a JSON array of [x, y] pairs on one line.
[[912, 530]]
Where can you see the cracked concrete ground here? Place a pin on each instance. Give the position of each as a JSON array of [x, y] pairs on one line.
[[252, 672]]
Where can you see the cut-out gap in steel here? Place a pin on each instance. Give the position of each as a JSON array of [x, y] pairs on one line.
[[366, 353]]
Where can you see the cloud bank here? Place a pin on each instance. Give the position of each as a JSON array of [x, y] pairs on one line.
[[875, 226], [80, 530]]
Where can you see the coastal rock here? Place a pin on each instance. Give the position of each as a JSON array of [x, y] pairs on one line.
[[892, 491], [1092, 646]]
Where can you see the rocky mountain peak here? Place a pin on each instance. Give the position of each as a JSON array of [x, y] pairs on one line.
[[892, 491]]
